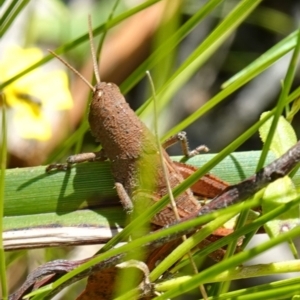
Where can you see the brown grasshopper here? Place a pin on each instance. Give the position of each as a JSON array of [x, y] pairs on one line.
[[135, 162], [135, 159]]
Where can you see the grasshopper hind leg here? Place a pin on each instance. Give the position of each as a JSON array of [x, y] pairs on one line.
[[182, 139]]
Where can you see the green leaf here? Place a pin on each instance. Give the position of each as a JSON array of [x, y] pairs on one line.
[[281, 191], [284, 138]]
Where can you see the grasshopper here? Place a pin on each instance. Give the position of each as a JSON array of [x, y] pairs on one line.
[[134, 155]]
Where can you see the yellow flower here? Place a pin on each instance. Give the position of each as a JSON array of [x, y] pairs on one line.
[[33, 95]]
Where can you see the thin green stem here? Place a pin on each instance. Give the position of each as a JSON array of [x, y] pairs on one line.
[[282, 101], [13, 14], [2, 187], [229, 264]]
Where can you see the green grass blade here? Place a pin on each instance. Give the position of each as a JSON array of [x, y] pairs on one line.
[[201, 54], [3, 162], [228, 264], [189, 244], [165, 48], [14, 14], [264, 61], [253, 226], [8, 11], [282, 101]]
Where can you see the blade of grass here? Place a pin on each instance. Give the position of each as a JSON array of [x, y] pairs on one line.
[[165, 48], [282, 101], [109, 19], [283, 288], [241, 272], [3, 159], [228, 264], [201, 54], [258, 66], [264, 61], [13, 14], [189, 244], [254, 225], [8, 11], [224, 286], [265, 291], [91, 184]]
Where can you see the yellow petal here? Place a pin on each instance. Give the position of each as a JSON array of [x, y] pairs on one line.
[[16, 59], [54, 91], [50, 89], [31, 125]]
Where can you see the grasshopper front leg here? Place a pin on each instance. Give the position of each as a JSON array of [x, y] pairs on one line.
[[78, 158]]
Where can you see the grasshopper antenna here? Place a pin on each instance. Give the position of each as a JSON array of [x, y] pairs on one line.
[[73, 69], [95, 64]]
